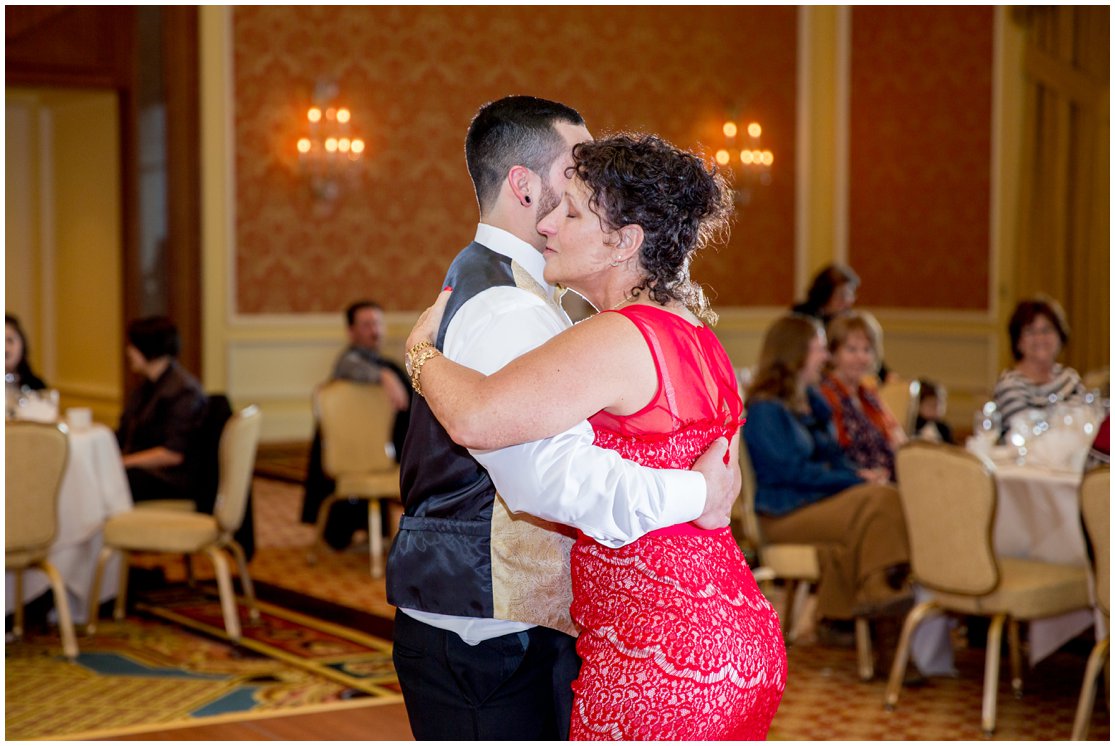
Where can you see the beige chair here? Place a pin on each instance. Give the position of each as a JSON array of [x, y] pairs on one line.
[[901, 398], [355, 423], [793, 563], [176, 532], [1095, 507], [949, 498], [35, 457]]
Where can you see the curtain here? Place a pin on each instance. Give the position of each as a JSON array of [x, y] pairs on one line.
[[1064, 241]]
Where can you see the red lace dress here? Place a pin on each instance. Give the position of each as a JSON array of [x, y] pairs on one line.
[[677, 640]]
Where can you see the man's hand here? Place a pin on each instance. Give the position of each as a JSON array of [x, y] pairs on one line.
[[722, 484], [396, 391]]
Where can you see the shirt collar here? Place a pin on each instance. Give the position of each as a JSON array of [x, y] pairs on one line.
[[515, 248]]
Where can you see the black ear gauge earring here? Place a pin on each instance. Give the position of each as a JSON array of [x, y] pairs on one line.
[[526, 198]]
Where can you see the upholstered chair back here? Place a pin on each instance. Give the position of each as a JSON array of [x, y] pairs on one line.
[[355, 428], [237, 456], [34, 459], [949, 498]]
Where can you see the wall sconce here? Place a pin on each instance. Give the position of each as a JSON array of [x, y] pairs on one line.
[[747, 157], [328, 152]]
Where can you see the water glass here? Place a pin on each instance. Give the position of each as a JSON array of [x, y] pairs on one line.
[[987, 425]]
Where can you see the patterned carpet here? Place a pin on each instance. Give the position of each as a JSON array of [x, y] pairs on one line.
[[145, 675]]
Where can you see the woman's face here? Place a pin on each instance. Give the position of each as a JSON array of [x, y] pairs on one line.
[[855, 358], [815, 358], [843, 298], [137, 363], [576, 252], [13, 348], [1039, 341]]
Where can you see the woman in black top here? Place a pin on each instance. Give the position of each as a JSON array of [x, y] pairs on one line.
[[162, 417]]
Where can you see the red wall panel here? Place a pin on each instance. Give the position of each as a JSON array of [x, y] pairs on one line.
[[413, 77], [920, 156]]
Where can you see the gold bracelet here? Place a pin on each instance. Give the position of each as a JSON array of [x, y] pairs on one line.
[[416, 357]]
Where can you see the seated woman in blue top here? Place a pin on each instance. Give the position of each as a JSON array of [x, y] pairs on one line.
[[807, 491]]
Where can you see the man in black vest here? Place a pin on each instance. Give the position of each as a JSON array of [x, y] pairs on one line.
[[484, 644]]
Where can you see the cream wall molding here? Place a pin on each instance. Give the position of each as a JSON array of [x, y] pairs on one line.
[[843, 114]]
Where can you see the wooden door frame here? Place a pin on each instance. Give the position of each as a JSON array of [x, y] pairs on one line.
[[97, 47]]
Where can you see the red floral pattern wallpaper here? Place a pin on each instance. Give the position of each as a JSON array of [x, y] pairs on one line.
[[920, 156], [413, 77]]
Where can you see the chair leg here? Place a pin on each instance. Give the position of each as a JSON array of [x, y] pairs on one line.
[[902, 654], [788, 609], [62, 604], [121, 607], [1015, 645], [319, 529], [1097, 661], [95, 589], [375, 537], [17, 620], [991, 673], [245, 579], [224, 587], [863, 649], [188, 561]]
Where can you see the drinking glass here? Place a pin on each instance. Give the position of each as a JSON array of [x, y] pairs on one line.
[[987, 425]]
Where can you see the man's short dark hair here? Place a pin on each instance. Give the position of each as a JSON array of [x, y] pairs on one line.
[[154, 337], [357, 307], [513, 131]]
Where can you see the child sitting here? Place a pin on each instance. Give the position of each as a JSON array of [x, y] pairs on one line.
[[930, 424]]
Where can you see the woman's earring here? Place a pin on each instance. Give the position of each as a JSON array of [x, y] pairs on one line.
[[526, 198]]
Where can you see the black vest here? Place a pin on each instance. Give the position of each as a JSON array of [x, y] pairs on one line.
[[440, 560]]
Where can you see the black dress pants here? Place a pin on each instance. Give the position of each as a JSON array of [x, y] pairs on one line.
[[514, 687]]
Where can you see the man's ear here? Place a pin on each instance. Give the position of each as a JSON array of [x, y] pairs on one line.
[[519, 178], [630, 241]]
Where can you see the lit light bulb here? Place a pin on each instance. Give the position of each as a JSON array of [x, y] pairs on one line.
[[357, 146], [730, 129], [754, 129], [343, 144], [746, 156], [343, 115], [331, 145], [304, 145], [722, 157], [313, 114], [768, 157]]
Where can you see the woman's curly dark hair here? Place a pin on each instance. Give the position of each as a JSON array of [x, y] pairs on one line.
[[680, 202]]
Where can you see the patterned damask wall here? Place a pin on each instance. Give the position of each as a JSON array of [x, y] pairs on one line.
[[413, 77], [920, 156]]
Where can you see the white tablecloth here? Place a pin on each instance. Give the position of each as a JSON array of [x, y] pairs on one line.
[[1039, 518], [94, 487]]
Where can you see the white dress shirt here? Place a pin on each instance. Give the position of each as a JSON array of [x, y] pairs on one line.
[[565, 478]]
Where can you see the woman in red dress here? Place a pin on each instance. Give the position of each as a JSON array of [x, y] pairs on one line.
[[677, 641]]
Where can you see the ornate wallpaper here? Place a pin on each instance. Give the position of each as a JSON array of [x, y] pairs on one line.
[[414, 76], [920, 156]]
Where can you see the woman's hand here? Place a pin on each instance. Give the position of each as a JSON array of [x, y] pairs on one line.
[[425, 329], [874, 476]]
